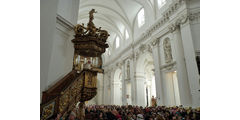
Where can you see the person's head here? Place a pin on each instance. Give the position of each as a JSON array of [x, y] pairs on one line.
[[72, 116], [100, 115], [174, 118], [129, 114], [140, 117]]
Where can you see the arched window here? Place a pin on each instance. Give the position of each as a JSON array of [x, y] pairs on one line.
[[141, 18], [161, 3], [108, 52], [117, 42], [126, 34]]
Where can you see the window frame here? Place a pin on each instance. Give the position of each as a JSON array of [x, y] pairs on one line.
[[117, 42], [126, 34], [163, 2], [141, 19]]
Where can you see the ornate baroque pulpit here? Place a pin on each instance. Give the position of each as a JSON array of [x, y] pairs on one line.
[[80, 84]]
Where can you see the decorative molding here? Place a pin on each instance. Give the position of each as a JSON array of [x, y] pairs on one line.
[[127, 80], [180, 19], [159, 23], [194, 16], [142, 48], [168, 66], [197, 52], [149, 48], [65, 23], [173, 7], [139, 77], [155, 42], [119, 64], [136, 55]]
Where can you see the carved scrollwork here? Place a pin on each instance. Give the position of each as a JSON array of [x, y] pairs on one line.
[[48, 111], [155, 41], [176, 24], [194, 16], [149, 48], [142, 48], [131, 56], [136, 55]]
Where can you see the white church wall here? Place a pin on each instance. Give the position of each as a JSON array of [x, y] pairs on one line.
[[117, 86], [176, 89], [62, 51], [195, 29], [191, 64], [132, 81], [107, 93], [168, 89], [68, 9], [100, 88], [104, 87], [194, 8], [112, 90], [56, 35], [158, 75], [165, 26], [124, 87], [159, 11], [149, 20], [62, 57], [183, 83], [48, 24]]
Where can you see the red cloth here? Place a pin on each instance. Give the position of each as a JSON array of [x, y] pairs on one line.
[[118, 116]]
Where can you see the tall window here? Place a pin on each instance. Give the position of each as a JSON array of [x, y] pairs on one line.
[[126, 34], [161, 3], [141, 18], [108, 52], [117, 42]]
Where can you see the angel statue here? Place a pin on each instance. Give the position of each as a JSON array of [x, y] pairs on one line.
[[91, 15]]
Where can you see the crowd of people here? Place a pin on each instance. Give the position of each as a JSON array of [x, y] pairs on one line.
[[113, 112], [129, 112]]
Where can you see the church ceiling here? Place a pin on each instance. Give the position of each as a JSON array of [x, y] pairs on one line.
[[116, 16]]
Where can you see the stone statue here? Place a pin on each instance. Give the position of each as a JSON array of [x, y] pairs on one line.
[[167, 50], [128, 70]]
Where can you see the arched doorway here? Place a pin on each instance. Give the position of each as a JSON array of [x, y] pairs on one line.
[[150, 85], [145, 80]]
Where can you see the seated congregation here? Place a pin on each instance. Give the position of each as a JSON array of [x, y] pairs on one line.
[[114, 112]]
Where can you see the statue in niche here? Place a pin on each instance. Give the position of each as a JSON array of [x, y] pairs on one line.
[[128, 70], [167, 50]]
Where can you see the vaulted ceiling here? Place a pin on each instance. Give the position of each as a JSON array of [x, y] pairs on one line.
[[113, 15]]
